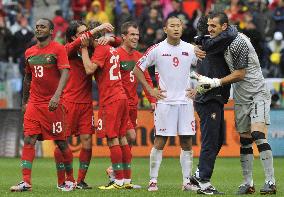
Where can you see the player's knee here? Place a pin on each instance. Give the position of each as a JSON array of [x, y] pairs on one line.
[[62, 145], [86, 141], [30, 140], [123, 140], [112, 141], [246, 145], [131, 137], [260, 141], [186, 143], [160, 142]]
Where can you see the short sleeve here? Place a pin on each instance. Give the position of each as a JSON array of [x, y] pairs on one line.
[[100, 55], [62, 58], [27, 66], [148, 59], [240, 51]]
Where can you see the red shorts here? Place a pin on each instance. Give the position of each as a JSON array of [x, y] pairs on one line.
[[132, 118], [80, 118], [113, 119], [50, 125]]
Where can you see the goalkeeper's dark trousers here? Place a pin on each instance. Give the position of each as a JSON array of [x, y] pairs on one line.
[[212, 126]]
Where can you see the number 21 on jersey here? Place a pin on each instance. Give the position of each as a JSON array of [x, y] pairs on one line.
[[114, 71]]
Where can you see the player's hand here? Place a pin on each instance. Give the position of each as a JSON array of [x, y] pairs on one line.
[[24, 107], [199, 53], [53, 103], [190, 93], [84, 41], [105, 26], [205, 81], [104, 40], [153, 107], [158, 94]]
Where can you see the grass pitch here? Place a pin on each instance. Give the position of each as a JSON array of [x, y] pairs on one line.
[[226, 177]]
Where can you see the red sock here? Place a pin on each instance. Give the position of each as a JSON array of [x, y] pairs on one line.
[[116, 160], [126, 160], [84, 159], [28, 155], [68, 163], [60, 168]]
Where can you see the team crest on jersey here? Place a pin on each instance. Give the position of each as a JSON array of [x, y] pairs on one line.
[[185, 53], [213, 116]]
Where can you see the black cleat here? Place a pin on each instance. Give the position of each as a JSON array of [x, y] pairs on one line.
[[268, 188], [210, 190], [83, 185], [245, 189]]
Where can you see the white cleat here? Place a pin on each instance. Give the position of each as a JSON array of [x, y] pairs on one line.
[[152, 187], [190, 187], [21, 187]]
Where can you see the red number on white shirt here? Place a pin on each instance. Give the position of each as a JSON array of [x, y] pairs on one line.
[[175, 61]]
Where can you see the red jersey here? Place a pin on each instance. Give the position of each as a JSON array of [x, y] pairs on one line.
[[44, 64], [129, 81], [107, 75], [79, 86]]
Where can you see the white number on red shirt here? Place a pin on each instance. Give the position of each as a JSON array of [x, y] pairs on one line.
[[56, 127], [114, 61], [38, 71]]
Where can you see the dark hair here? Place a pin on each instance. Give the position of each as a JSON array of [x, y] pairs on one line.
[[58, 12], [125, 26], [94, 24], [72, 29], [51, 25], [202, 26], [223, 18], [171, 17]]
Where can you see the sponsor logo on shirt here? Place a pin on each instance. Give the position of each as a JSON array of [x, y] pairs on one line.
[[166, 54], [185, 53]]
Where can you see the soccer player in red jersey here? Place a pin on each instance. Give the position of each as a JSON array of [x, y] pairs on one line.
[[46, 75], [128, 56], [78, 100], [113, 109]]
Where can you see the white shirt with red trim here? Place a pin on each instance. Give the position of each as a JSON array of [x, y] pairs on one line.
[[173, 64]]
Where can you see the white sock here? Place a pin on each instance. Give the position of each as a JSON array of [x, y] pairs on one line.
[[119, 182], [186, 158], [155, 162], [127, 181]]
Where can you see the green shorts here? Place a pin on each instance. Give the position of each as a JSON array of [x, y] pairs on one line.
[[247, 114]]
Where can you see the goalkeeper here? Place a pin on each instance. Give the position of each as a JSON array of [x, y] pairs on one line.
[[209, 103]]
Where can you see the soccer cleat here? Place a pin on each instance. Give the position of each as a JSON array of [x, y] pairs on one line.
[[245, 189], [268, 188], [190, 187], [128, 186], [83, 185], [67, 186], [111, 185], [194, 181], [152, 187], [21, 187], [210, 190]]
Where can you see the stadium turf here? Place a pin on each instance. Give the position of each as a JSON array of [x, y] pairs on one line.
[[226, 177]]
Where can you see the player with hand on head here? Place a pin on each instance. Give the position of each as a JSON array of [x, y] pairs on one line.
[[174, 113], [46, 75], [113, 113]]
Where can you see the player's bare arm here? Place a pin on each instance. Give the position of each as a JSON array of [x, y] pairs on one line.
[[26, 90], [158, 94], [103, 27], [190, 93], [235, 76], [53, 103], [90, 67]]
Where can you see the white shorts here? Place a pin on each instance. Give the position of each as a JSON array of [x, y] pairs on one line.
[[173, 120]]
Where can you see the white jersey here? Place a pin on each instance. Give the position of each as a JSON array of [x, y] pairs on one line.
[[173, 65]]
